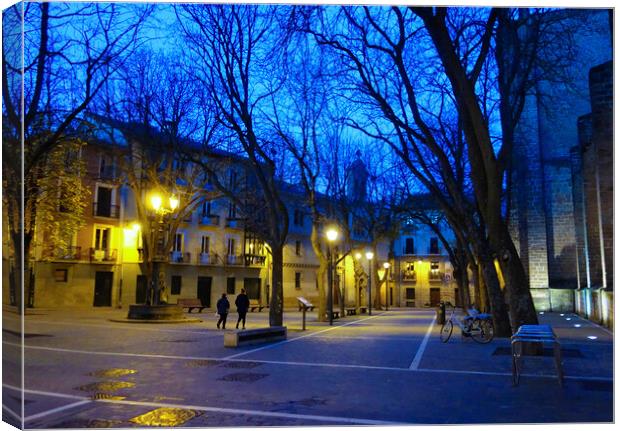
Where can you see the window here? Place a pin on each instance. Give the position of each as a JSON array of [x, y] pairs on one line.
[[204, 244], [232, 180], [102, 238], [206, 208], [434, 246], [409, 246], [106, 167], [298, 280], [298, 218], [178, 242], [232, 211], [230, 247], [230, 285], [103, 204], [434, 267], [298, 248], [175, 285], [61, 275]]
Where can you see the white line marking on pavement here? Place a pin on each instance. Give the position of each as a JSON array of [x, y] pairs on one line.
[[11, 412], [418, 356], [300, 337], [84, 400], [56, 410]]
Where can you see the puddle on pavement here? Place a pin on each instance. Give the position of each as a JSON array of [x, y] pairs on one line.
[[243, 377], [105, 386], [112, 372], [202, 363], [164, 417], [241, 364]]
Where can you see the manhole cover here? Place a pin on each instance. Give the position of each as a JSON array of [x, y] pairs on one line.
[[202, 363], [112, 372], [104, 396], [594, 385], [243, 377], [89, 423], [105, 386], [242, 364], [548, 352], [164, 417]]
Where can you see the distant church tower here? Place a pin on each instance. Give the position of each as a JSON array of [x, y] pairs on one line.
[[357, 179]]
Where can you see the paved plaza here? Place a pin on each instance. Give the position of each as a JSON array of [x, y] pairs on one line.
[[82, 370]]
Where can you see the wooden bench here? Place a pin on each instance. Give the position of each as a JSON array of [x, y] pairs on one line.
[[254, 336], [304, 303], [362, 310], [335, 313], [190, 304], [254, 304], [540, 334], [351, 311]]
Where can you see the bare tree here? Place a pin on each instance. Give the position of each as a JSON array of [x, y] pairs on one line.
[[230, 45], [70, 51]]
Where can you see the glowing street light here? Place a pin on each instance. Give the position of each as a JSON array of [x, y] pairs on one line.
[[358, 255], [369, 256], [386, 265], [174, 202], [156, 202], [332, 235]]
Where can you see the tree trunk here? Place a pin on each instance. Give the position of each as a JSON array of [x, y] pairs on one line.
[[320, 279], [276, 300], [522, 311], [497, 304]]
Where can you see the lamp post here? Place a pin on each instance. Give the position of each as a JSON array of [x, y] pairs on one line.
[[386, 265], [332, 235], [158, 241], [369, 256]]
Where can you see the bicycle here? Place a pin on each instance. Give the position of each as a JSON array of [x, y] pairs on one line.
[[478, 326]]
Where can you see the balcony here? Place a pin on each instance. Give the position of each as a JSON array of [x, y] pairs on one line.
[[209, 219], [234, 259], [233, 222], [435, 276], [55, 253], [180, 257], [140, 254], [110, 211], [207, 258], [254, 260], [410, 275], [102, 256]]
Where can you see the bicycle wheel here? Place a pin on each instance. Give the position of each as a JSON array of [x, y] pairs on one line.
[[446, 331], [482, 331]]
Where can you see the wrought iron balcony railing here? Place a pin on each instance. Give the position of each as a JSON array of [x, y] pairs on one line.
[[409, 275], [111, 211], [107, 256], [57, 253], [206, 258], [209, 219], [180, 257]]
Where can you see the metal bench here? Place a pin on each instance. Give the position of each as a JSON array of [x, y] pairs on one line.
[[190, 304], [542, 334], [254, 336], [335, 314], [351, 311]]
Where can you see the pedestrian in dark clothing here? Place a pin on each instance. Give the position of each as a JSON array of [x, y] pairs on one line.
[[222, 309], [243, 303]]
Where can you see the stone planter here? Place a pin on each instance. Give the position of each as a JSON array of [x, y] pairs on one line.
[[155, 312]]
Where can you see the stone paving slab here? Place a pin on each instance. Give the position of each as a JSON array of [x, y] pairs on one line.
[[356, 372]]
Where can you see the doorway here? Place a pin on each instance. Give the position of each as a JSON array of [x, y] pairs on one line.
[[103, 289], [252, 287], [203, 291], [410, 297], [141, 289], [435, 296]]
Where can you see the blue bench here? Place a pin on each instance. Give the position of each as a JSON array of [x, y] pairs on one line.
[[541, 334]]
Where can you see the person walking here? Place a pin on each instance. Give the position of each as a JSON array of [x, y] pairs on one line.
[[222, 309], [243, 303]]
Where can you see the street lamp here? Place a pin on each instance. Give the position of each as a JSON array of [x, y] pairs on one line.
[[158, 240], [369, 256], [386, 265], [332, 235]]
